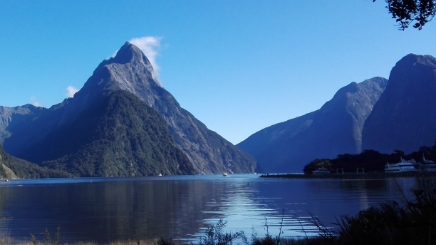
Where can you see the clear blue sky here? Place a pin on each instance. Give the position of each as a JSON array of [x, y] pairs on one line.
[[238, 66]]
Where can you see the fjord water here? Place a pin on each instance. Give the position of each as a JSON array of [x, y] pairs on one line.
[[109, 209]]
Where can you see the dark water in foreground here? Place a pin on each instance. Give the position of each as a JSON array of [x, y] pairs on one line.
[[108, 209]]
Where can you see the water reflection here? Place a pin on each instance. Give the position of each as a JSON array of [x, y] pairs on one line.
[[105, 210], [289, 204]]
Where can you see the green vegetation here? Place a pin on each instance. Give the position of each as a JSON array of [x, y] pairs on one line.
[[406, 12], [12, 167], [117, 136], [215, 235], [369, 160], [391, 223]]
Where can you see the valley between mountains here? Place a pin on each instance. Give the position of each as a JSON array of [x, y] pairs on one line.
[[124, 123]]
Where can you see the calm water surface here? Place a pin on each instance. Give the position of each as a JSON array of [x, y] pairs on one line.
[[108, 209]]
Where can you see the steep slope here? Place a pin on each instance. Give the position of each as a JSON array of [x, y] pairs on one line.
[[404, 118], [117, 136], [12, 167], [11, 118], [334, 129], [131, 71], [268, 148]]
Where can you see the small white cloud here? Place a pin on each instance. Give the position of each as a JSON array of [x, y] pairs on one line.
[[34, 101], [71, 91], [149, 45]]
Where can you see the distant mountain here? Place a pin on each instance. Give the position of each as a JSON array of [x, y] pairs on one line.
[[12, 167], [404, 118], [12, 117], [334, 129], [40, 138]]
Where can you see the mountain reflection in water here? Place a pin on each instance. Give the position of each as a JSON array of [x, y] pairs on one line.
[[109, 209]]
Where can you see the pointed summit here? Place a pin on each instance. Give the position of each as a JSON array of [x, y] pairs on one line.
[[130, 71], [129, 53], [132, 56]]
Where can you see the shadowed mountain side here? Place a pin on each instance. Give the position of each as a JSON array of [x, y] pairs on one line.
[[117, 136], [275, 146], [12, 167], [131, 71], [334, 129], [405, 116], [12, 118]]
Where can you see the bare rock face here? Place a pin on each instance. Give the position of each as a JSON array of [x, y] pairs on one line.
[[131, 71], [404, 118], [335, 128]]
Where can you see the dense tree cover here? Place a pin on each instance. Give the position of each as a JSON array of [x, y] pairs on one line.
[[117, 136], [369, 160], [406, 12], [12, 167]]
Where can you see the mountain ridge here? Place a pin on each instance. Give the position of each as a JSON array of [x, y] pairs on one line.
[[118, 136], [130, 70], [203, 147], [404, 118], [333, 129], [12, 117]]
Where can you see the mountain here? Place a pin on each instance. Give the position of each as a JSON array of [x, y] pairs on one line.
[[333, 129], [404, 118], [130, 71], [12, 117], [12, 167], [118, 135]]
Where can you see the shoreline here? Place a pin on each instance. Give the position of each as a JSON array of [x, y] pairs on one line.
[[351, 175]]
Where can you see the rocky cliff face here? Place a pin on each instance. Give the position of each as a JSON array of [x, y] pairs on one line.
[[404, 118], [131, 71], [333, 129]]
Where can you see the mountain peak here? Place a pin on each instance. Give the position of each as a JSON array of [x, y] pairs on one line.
[[128, 53], [130, 68], [404, 117], [413, 59]]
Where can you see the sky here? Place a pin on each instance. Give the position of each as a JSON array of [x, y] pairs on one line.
[[237, 65]]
